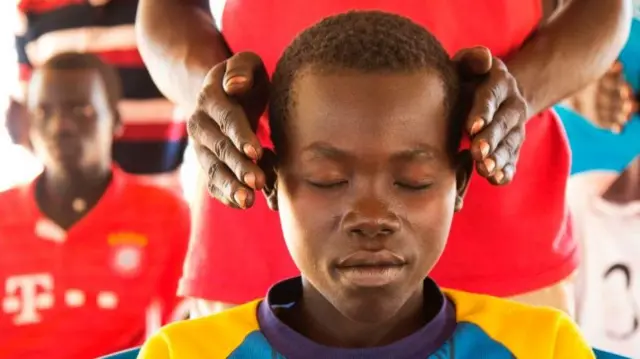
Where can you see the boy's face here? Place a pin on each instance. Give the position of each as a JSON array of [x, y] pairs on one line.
[[367, 189], [72, 120]]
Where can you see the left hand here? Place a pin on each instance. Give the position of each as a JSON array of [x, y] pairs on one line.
[[498, 113]]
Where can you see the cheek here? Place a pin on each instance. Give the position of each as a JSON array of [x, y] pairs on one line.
[[307, 222], [429, 215]]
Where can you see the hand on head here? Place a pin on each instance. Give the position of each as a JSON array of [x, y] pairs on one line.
[[497, 114], [235, 94], [233, 97]]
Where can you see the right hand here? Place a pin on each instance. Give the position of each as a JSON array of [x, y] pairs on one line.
[[615, 102], [233, 97]]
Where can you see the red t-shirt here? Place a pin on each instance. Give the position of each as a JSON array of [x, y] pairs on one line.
[[507, 240], [95, 288]]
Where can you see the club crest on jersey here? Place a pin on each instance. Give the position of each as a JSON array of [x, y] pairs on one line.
[[127, 253]]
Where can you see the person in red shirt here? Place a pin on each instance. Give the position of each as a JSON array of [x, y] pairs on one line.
[[508, 241], [91, 256]]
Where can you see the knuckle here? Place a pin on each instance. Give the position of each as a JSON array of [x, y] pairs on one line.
[[512, 83], [223, 116], [193, 125], [222, 147], [213, 190], [495, 92], [213, 172], [205, 95]]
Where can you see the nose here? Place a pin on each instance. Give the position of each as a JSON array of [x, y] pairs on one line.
[[370, 218], [60, 123]]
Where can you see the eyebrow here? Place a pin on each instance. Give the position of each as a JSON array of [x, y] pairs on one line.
[[420, 151]]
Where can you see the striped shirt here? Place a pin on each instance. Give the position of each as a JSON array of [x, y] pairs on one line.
[[154, 136]]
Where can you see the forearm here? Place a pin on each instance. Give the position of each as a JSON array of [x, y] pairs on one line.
[[179, 44], [570, 52]]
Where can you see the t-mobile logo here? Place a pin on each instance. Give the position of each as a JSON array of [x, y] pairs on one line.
[[26, 295]]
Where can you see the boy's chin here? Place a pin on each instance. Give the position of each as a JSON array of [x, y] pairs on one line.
[[371, 307]]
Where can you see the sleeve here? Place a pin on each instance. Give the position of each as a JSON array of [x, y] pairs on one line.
[[570, 343], [155, 348]]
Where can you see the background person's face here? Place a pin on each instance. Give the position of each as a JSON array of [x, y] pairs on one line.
[[72, 121], [366, 171]]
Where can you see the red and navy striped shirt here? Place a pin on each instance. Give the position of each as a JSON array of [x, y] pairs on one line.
[[154, 136]]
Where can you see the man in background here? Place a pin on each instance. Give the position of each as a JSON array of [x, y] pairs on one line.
[[153, 136], [90, 256]]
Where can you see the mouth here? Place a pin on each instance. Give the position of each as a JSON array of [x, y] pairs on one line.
[[371, 269]]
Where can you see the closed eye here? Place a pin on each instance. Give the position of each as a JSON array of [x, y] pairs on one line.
[[413, 187], [327, 185]]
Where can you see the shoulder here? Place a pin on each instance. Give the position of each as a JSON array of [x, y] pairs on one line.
[[229, 329], [514, 326], [159, 201], [13, 203]]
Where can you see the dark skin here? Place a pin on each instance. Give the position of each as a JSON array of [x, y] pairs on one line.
[[183, 50], [72, 129], [365, 217], [626, 188]]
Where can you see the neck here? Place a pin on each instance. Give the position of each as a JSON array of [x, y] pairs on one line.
[[65, 196], [317, 319], [69, 185]]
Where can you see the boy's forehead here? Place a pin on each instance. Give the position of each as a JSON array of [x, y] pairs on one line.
[[369, 109]]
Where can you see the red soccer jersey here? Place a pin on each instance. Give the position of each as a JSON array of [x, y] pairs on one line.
[[507, 240], [90, 290]]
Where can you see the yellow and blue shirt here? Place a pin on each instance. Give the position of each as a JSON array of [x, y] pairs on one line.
[[467, 326]]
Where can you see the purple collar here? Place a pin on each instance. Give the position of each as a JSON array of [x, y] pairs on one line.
[[293, 345]]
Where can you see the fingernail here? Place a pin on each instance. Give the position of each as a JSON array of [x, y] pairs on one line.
[[250, 151], [236, 80], [616, 129], [240, 197], [250, 180], [489, 165], [477, 126], [625, 93], [499, 176], [484, 148]]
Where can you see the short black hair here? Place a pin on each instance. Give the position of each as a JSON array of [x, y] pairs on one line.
[[83, 61], [366, 41]]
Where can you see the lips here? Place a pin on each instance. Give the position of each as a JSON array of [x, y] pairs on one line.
[[371, 269], [381, 258]]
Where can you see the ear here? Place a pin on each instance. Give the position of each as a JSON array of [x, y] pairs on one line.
[[118, 129], [464, 169], [269, 163]]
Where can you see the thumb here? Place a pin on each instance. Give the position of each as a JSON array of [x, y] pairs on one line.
[[240, 72], [473, 61]]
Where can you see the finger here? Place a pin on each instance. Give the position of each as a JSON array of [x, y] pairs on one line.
[[510, 114], [504, 176], [488, 97], [228, 114], [616, 68], [207, 134], [612, 83], [221, 182], [506, 152], [240, 72], [473, 61]]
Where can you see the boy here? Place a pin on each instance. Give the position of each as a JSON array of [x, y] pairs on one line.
[[365, 217], [90, 257]]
